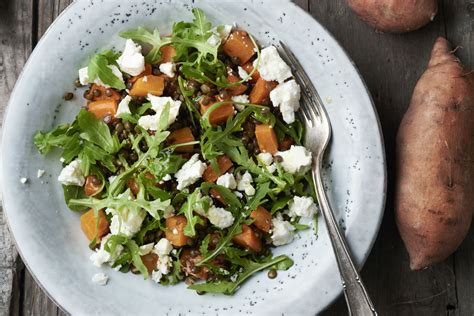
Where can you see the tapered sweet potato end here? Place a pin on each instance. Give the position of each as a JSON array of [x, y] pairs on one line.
[[442, 52]]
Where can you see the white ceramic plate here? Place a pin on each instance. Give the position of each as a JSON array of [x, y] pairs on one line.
[[48, 235]]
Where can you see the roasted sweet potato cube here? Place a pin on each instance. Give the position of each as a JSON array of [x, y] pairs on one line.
[[261, 91], [224, 163], [239, 45], [219, 115], [103, 94], [181, 136], [216, 195], [248, 239], [248, 67], [167, 53], [175, 230], [148, 84], [285, 144], [102, 108], [263, 219], [147, 72], [133, 186], [266, 138], [236, 90], [92, 186], [91, 228], [150, 260]]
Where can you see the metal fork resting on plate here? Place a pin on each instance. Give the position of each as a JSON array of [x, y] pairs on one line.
[[318, 126]]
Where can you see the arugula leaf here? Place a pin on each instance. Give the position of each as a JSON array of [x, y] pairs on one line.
[[260, 194], [132, 251], [280, 204], [97, 132], [154, 39], [99, 67], [58, 137], [188, 210], [148, 225], [204, 247], [72, 192], [281, 262]]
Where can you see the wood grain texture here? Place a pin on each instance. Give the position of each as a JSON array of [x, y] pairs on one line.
[[390, 65], [15, 47]]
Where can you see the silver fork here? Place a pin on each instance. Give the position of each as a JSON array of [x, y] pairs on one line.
[[318, 126]]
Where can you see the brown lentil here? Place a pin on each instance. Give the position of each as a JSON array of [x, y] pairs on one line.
[[107, 119], [129, 85], [205, 100], [77, 83], [272, 274], [205, 88], [200, 292], [68, 96], [88, 95], [278, 158], [96, 93], [108, 92]]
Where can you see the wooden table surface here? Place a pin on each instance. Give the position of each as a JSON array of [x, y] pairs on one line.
[[390, 65]]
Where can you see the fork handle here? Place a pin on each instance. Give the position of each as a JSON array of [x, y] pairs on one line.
[[357, 298]]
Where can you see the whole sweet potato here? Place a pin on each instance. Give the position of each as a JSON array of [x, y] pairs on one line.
[[395, 16], [434, 198]]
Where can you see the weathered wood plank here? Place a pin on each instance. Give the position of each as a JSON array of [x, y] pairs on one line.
[[391, 66], [15, 46]]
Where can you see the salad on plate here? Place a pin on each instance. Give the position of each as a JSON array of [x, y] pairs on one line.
[[186, 161]]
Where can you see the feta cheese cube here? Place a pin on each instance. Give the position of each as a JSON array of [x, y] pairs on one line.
[[150, 122], [156, 276], [219, 217], [286, 96], [282, 231], [243, 98], [214, 40], [163, 247], [72, 174], [40, 173], [297, 159], [303, 206], [190, 172], [164, 264], [168, 69], [100, 278], [84, 76], [244, 183], [132, 61], [123, 106], [23, 180], [101, 256], [272, 67], [243, 74], [126, 222], [145, 249], [265, 158], [238, 194], [227, 180]]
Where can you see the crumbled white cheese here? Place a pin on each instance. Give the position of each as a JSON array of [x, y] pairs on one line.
[[219, 217], [145, 249], [190, 172], [123, 106], [72, 174], [282, 231], [265, 158], [150, 122], [62, 160], [100, 278], [296, 159], [238, 194], [243, 74], [163, 247], [166, 177], [243, 98], [40, 173], [112, 178], [156, 276], [227, 180], [84, 76], [101, 256], [286, 96], [214, 40], [302, 206], [271, 66], [23, 180], [244, 183], [168, 69], [164, 264], [168, 212], [132, 61], [127, 222], [272, 168]]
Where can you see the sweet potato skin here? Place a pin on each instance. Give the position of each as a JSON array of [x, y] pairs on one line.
[[395, 16], [434, 195]]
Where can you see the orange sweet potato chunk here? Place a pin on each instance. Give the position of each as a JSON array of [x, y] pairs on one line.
[[175, 230], [167, 53], [180, 136], [216, 195], [92, 186], [219, 115], [236, 90], [114, 95], [239, 45], [248, 239], [263, 219], [224, 163], [147, 72], [261, 91], [89, 225], [266, 138], [102, 108], [148, 84], [150, 260]]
